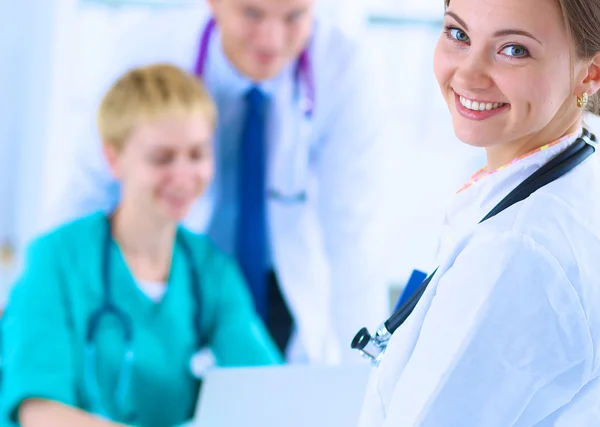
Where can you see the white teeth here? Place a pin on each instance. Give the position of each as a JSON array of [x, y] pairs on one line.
[[479, 106]]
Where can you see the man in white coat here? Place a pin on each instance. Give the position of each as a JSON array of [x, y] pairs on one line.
[[300, 155]]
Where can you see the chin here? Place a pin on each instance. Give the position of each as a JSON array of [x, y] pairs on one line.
[[178, 215], [175, 213], [475, 134], [261, 76], [261, 72], [467, 136]]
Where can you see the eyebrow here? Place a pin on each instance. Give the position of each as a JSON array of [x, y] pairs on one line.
[[500, 33], [297, 12]]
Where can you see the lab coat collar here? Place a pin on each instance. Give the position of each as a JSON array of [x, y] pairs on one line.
[[226, 80], [473, 203]]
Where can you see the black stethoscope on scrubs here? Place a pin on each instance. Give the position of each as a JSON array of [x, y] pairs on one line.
[[200, 362], [373, 346]]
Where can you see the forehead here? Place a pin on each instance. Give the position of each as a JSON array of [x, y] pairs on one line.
[[541, 17], [173, 131], [275, 6]]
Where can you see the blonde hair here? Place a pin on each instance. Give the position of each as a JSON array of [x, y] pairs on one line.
[[146, 93]]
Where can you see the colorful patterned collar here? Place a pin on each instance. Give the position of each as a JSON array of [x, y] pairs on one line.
[[483, 172]]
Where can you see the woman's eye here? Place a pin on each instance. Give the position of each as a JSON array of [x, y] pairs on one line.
[[197, 155], [161, 159], [516, 51], [459, 35]]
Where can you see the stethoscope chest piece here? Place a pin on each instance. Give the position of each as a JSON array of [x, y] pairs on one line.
[[202, 362]]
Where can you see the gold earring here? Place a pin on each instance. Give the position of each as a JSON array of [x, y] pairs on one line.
[[582, 102]]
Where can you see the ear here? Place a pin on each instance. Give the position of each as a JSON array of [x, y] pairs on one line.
[[591, 83], [112, 156]]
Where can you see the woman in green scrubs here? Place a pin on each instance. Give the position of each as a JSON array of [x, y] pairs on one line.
[[105, 324]]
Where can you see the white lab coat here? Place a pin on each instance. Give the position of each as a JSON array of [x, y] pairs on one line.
[[508, 331], [327, 249]]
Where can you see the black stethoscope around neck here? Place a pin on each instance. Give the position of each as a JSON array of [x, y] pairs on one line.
[[373, 347], [109, 309]]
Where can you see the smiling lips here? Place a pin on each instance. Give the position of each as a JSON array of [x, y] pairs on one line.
[[478, 110], [479, 106], [177, 201]]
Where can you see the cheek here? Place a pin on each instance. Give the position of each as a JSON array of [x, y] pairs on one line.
[[153, 176], [139, 176], [245, 32], [297, 37], [532, 92], [239, 34], [158, 183], [557, 88], [442, 65], [205, 172]]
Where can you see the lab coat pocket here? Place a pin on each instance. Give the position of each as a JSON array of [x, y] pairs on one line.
[[288, 183], [287, 198]]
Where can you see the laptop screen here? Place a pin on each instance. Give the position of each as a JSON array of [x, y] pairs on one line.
[[291, 396]]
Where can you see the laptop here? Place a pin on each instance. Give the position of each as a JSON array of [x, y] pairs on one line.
[[282, 396]]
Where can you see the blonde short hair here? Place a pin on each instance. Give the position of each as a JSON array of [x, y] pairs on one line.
[[146, 93]]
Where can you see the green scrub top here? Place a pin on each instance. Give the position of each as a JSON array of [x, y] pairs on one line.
[[46, 319]]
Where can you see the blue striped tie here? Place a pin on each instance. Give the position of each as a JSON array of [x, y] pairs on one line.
[[252, 225]]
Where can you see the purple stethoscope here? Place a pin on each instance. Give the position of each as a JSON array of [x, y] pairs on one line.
[[302, 75]]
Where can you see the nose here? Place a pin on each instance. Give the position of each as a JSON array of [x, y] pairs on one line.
[[271, 34], [184, 172], [472, 71]]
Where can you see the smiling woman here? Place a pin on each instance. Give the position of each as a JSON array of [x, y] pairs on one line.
[[121, 307], [504, 333], [528, 67], [157, 127]]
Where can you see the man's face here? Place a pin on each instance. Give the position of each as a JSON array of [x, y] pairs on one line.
[[261, 37]]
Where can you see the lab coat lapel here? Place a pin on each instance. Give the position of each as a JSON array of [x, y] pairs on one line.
[[289, 133], [298, 252]]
